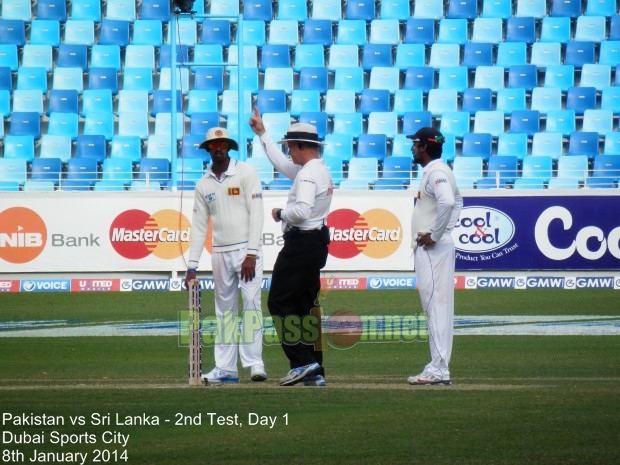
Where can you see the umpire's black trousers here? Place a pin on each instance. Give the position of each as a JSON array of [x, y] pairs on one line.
[[295, 285]]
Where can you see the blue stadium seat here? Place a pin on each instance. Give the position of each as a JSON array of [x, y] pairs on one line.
[[360, 9], [338, 145], [102, 78], [363, 169], [477, 145], [521, 29], [86, 10], [578, 53], [283, 31], [531, 8], [34, 55], [32, 78], [138, 79], [466, 9], [209, 78], [527, 121], [258, 10], [341, 55], [453, 31], [304, 101], [382, 77], [491, 122], [562, 121], [272, 101], [415, 120], [314, 78], [25, 124], [133, 123], [28, 100], [121, 9], [539, 168], [108, 186], [45, 32], [590, 29], [114, 32], [515, 144], [524, 76], [55, 147], [575, 167], [600, 121], [444, 55], [548, 144], [556, 29], [546, 99], [215, 32], [433, 9], [38, 186], [567, 8], [91, 146], [19, 147], [611, 145], [419, 77], [335, 167], [165, 55], [489, 77], [401, 146], [68, 78], [475, 99], [12, 32], [456, 123], [154, 170], [190, 148], [46, 170], [510, 99], [63, 124], [384, 31], [147, 32], [407, 100], [318, 31], [606, 167], [609, 53], [595, 75], [467, 169], [583, 143], [17, 10], [374, 100], [72, 56], [376, 55], [155, 10], [96, 100], [349, 123], [610, 99], [496, 9], [84, 170], [293, 9], [487, 30], [127, 147], [356, 184], [528, 183], [55, 10], [408, 55], [78, 31], [253, 32], [308, 56], [202, 101], [561, 76], [383, 122], [100, 122], [340, 101], [182, 80], [163, 125], [580, 99], [607, 8], [453, 77], [263, 167], [140, 56], [511, 54], [159, 146], [278, 79], [395, 9], [105, 56], [503, 169], [5, 106], [442, 100], [419, 31], [477, 54], [275, 56], [13, 170], [326, 9], [545, 54]]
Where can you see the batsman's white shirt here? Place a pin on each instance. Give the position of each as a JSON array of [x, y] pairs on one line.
[[234, 203], [437, 210]]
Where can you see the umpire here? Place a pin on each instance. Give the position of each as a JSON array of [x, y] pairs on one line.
[[295, 282]]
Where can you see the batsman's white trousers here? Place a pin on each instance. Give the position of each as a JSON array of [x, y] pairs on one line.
[[434, 268], [227, 283]]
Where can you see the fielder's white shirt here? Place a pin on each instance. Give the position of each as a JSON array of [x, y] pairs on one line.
[[235, 204], [439, 202], [310, 197]]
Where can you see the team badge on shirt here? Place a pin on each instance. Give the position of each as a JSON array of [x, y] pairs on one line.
[[210, 197], [257, 196], [234, 191]]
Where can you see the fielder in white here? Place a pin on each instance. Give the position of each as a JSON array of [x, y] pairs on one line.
[[230, 194], [436, 212]]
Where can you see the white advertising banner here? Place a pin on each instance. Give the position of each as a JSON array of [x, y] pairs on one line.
[[149, 231]]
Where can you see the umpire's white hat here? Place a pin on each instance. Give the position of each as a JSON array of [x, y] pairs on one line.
[[301, 132]]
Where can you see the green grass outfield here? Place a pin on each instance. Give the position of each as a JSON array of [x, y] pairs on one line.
[[515, 399]]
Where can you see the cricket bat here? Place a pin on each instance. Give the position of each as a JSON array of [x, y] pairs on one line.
[[195, 340]]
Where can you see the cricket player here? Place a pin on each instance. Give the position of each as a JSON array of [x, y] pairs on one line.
[[230, 194], [435, 214]]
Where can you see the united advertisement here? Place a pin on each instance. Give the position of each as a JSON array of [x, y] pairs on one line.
[[369, 231]]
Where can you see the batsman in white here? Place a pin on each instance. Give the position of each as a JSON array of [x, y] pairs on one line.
[[435, 214], [230, 194]]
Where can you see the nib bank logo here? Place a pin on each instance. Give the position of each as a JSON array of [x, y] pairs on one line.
[[23, 235], [375, 233], [136, 234]]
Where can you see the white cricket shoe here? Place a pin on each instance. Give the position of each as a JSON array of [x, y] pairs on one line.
[[258, 373], [218, 375], [299, 373], [426, 379]]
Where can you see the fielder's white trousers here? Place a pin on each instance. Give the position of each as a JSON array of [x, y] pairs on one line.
[[227, 284], [434, 268]]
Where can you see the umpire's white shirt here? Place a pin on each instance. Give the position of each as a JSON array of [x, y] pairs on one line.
[[235, 204]]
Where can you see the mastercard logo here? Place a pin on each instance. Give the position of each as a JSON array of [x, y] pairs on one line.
[[375, 233], [136, 234], [23, 235]]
